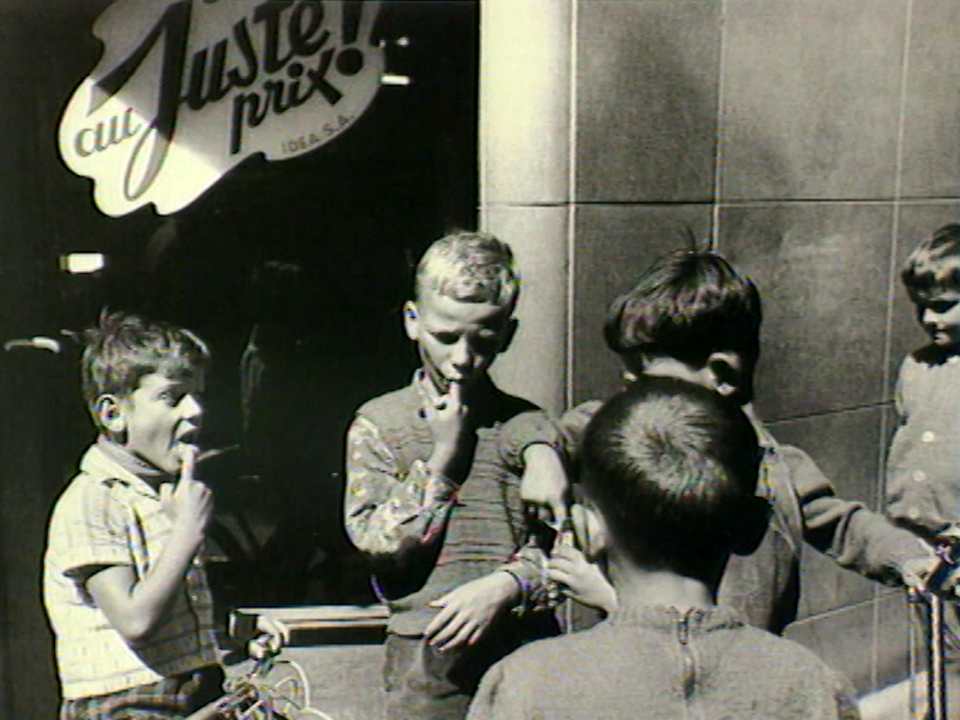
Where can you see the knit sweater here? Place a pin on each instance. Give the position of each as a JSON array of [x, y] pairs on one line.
[[657, 662], [424, 536], [923, 467]]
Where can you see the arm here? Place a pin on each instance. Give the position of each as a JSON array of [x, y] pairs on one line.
[[388, 513], [136, 606], [854, 536], [537, 447]]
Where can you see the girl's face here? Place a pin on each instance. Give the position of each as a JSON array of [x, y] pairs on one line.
[[939, 316]]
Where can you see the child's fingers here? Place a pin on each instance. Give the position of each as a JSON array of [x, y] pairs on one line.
[[565, 553], [441, 619], [188, 458], [455, 395], [442, 628], [166, 492]]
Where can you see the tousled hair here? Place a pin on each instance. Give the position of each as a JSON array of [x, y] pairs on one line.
[[672, 467], [470, 267], [934, 265], [688, 305], [123, 347]]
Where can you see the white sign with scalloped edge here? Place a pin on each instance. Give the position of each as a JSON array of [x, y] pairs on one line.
[[186, 90]]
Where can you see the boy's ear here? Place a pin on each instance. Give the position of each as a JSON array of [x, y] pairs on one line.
[[590, 529], [507, 333], [411, 319], [726, 372], [111, 415]]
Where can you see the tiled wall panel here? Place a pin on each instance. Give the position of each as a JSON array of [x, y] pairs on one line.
[[822, 271], [647, 100], [838, 149], [810, 98]]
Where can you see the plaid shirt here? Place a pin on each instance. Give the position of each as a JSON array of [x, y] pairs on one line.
[[109, 516]]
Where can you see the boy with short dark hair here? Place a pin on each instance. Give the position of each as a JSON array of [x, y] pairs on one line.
[[923, 465], [693, 316], [429, 498], [671, 469], [124, 587]]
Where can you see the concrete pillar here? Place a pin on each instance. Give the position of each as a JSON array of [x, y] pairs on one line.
[[526, 188]]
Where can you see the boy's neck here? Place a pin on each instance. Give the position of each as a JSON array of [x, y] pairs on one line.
[[645, 586], [130, 462]]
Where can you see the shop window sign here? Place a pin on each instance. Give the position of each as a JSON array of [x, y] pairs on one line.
[[185, 91]]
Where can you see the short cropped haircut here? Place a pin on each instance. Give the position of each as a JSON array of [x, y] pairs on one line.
[[672, 467], [934, 266], [688, 305], [122, 348], [471, 267]]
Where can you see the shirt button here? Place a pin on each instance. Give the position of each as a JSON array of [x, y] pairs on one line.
[[919, 475], [928, 436]]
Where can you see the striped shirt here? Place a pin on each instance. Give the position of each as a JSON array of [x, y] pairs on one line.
[[109, 516]]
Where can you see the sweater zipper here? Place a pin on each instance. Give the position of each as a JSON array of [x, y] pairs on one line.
[[689, 669]]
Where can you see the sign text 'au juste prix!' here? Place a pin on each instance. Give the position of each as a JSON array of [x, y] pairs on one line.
[[187, 90]]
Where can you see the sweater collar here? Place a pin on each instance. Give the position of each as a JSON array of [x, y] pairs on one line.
[[665, 618]]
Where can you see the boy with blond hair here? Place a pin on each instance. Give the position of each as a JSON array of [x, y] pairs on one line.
[[124, 586], [670, 469], [430, 500]]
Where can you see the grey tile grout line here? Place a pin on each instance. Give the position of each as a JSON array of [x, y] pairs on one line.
[[714, 238], [571, 204], [891, 297]]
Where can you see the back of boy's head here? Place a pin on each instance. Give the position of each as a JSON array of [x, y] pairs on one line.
[[470, 267], [123, 348], [688, 305], [672, 467], [934, 266]]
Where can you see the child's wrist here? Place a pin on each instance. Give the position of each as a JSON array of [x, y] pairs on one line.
[[517, 588]]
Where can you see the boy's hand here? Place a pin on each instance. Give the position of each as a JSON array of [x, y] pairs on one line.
[[544, 488], [581, 579], [191, 502], [448, 418], [468, 611]]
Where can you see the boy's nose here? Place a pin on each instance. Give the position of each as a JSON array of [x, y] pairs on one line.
[[191, 406], [929, 317], [462, 355]]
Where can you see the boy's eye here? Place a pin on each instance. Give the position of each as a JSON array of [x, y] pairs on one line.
[[446, 338], [171, 397]]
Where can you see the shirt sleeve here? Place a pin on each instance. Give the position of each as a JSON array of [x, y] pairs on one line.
[[525, 429], [528, 566], [92, 531], [388, 512], [573, 424], [856, 537]]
